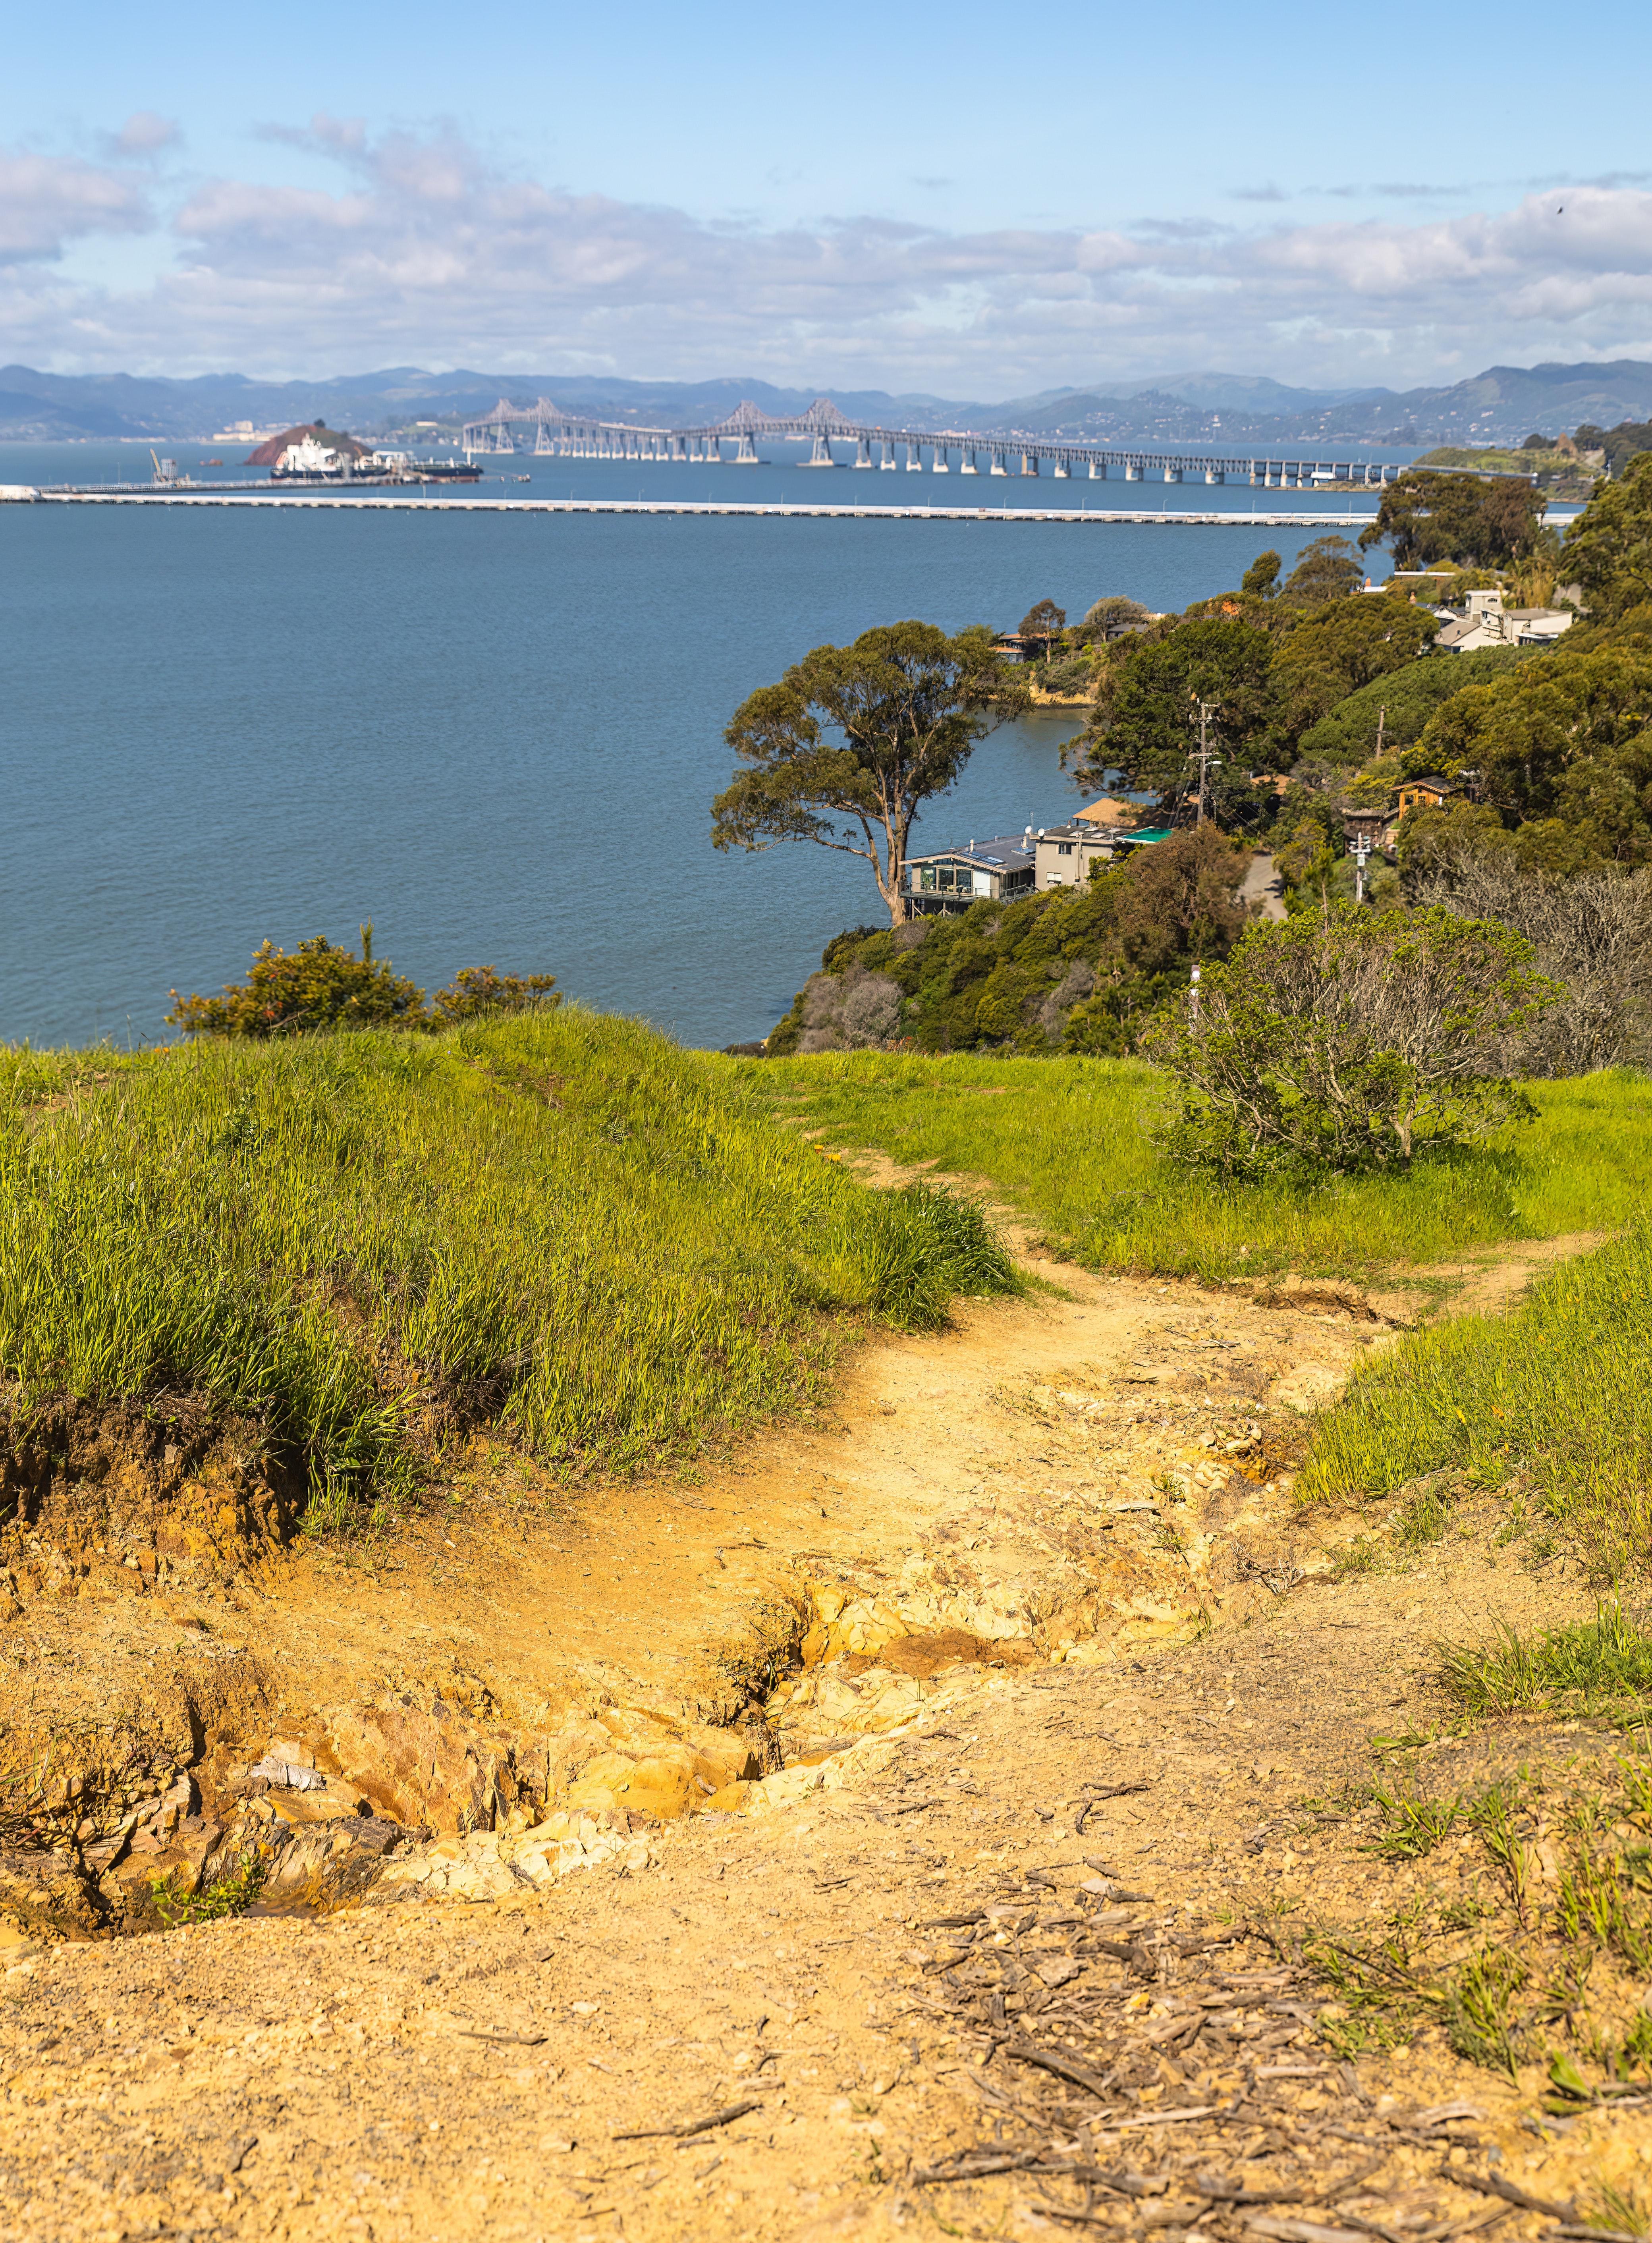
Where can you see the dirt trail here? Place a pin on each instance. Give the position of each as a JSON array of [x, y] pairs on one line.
[[1025, 1711]]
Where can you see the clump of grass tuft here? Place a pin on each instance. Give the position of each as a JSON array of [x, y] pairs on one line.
[[562, 1225], [1479, 2015], [1412, 1825], [928, 1245], [1424, 1517], [1602, 1665], [1554, 1391], [230, 1895]]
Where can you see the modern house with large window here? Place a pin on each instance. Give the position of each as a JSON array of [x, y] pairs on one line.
[[955, 879]]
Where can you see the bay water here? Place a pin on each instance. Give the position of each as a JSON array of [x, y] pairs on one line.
[[497, 736]]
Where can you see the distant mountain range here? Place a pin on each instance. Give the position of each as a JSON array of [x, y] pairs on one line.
[[1499, 406]]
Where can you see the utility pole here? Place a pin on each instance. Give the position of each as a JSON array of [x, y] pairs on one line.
[[1208, 762], [1382, 718], [1361, 852]]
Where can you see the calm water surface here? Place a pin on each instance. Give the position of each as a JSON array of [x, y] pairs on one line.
[[497, 737]]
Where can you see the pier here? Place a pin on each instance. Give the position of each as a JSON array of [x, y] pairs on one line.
[[577, 435], [378, 502]]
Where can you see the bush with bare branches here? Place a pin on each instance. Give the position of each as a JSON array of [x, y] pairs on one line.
[[1356, 1040], [1591, 934]]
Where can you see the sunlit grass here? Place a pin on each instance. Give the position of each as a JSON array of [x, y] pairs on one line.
[[1067, 1142], [1556, 1391], [562, 1225], [1600, 1665]]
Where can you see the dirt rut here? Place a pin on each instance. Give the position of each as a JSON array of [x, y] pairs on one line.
[[963, 1879]]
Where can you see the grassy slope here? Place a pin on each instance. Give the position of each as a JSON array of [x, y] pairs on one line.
[[1555, 1394], [1067, 1142], [562, 1223]]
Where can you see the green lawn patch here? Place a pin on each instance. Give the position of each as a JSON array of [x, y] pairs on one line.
[[1068, 1142]]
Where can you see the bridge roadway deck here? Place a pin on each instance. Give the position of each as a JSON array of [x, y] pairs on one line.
[[366, 501]]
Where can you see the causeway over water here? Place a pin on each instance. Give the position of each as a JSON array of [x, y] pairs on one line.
[[364, 501]]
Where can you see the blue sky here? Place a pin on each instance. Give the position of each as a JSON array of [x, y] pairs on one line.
[[961, 199]]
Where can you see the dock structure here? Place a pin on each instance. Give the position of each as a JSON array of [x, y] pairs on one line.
[[554, 433], [283, 500]]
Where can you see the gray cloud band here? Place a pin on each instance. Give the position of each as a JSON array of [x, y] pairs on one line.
[[429, 251]]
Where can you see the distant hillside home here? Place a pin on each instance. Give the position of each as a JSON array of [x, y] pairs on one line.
[[1430, 794], [1487, 622]]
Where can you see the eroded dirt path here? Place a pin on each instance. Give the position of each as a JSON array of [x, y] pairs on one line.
[[1021, 1730]]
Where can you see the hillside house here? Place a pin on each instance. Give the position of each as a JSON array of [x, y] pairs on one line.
[[952, 879], [1487, 622], [1022, 864]]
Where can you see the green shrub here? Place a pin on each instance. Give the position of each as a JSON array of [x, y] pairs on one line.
[[1349, 1041], [319, 987]]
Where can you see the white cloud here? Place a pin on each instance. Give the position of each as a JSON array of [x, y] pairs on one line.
[[427, 251], [144, 135], [46, 202]]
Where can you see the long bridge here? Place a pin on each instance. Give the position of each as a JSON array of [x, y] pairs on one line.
[[579, 436]]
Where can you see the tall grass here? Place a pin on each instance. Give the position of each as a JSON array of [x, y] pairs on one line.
[[1068, 1141], [562, 1224], [1558, 1390]]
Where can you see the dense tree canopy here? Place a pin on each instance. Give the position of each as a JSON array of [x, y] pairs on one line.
[[1042, 621], [852, 740], [1401, 702], [1620, 445], [1430, 516], [1146, 720], [1338, 647], [1326, 569], [1608, 549], [1566, 738]]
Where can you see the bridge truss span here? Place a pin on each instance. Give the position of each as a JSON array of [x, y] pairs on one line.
[[546, 430]]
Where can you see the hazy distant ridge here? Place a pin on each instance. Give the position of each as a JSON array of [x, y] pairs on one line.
[[1499, 406]]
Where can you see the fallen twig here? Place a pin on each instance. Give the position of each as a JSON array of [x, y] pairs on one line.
[[682, 2134], [1014, 2161], [1511, 2193], [1063, 2066]]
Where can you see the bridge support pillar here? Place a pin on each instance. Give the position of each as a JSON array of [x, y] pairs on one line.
[[1132, 471], [1211, 476], [1172, 474], [888, 460], [1098, 471], [915, 459], [1064, 473], [820, 456], [967, 463], [939, 464], [745, 456], [1030, 463], [863, 452]]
